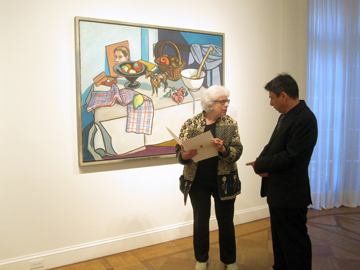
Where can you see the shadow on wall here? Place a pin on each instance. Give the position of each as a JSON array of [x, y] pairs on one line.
[[129, 164]]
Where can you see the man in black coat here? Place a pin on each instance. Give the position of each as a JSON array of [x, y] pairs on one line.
[[283, 166]]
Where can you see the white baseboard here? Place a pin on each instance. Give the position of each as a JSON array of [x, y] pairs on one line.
[[88, 251]]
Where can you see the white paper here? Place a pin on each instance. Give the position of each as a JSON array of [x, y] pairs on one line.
[[201, 143], [175, 137]]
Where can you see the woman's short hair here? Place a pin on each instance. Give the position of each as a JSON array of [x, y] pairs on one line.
[[211, 94]]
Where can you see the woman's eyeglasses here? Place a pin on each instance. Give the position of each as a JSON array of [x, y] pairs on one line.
[[222, 102]]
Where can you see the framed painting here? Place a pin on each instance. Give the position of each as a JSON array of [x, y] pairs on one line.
[[134, 81]]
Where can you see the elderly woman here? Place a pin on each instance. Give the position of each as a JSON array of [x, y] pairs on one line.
[[216, 176]]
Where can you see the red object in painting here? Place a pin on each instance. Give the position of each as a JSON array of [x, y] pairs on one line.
[[104, 80], [201, 146], [164, 60], [137, 66], [178, 98]]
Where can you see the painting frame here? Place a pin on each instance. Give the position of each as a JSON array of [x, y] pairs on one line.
[[123, 117]]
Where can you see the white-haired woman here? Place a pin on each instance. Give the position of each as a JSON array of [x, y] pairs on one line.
[[216, 176]]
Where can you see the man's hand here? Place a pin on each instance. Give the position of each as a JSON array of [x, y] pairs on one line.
[[185, 155], [252, 164]]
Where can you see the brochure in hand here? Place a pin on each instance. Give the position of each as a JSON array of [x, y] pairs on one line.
[[201, 143]]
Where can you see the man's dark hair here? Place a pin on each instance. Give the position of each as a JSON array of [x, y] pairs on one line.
[[283, 83]]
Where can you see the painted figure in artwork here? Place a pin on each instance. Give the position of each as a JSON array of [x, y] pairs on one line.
[[156, 79], [121, 54]]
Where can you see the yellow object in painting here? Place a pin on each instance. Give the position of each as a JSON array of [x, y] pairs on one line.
[[138, 101]]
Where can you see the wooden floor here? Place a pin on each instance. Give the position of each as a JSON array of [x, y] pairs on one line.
[[335, 236]]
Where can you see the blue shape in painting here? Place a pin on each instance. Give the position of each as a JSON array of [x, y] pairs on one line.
[[202, 38]]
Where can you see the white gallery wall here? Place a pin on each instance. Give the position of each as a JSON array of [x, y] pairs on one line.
[[52, 209]]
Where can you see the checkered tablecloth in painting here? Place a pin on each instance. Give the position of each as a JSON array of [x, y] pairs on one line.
[[139, 120]]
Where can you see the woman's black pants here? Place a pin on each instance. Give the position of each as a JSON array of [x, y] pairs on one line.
[[200, 195]]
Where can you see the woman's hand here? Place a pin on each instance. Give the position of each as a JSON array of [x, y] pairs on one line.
[[219, 145], [185, 155]]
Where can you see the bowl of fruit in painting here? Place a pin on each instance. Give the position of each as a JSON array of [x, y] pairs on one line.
[[131, 70], [193, 84]]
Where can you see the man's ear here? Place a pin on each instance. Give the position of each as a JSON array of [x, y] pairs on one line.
[[284, 95]]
